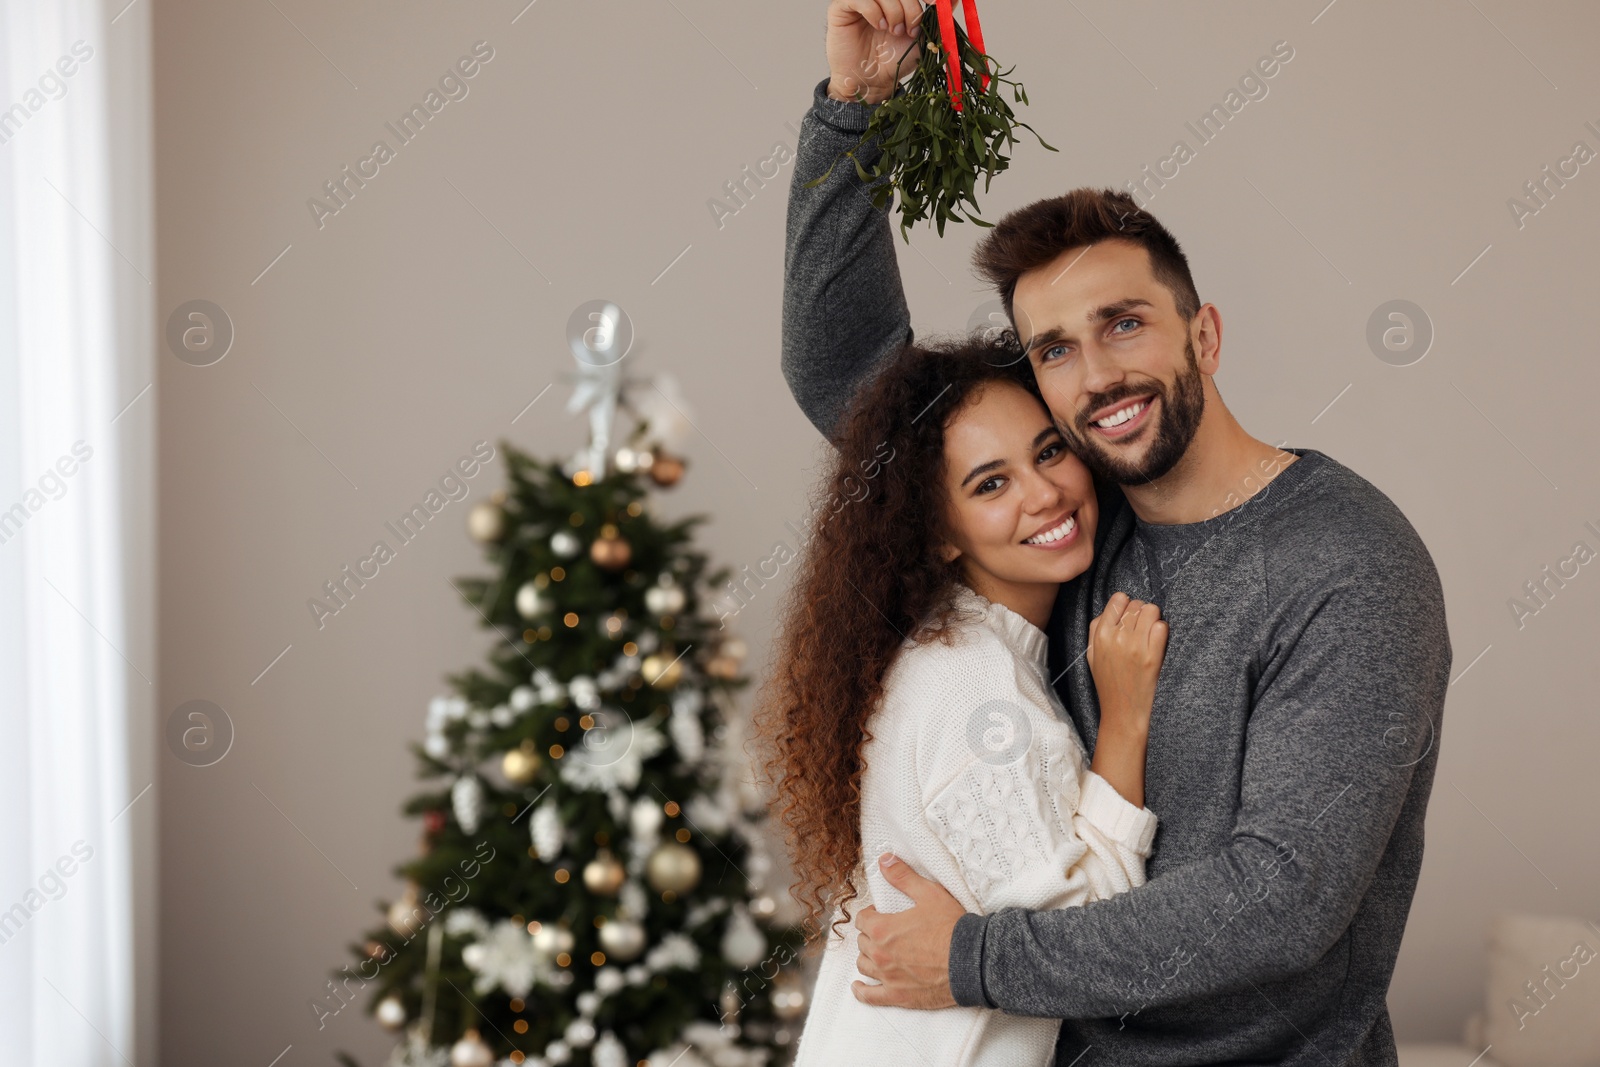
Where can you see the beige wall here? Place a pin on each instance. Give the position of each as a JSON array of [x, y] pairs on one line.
[[414, 323]]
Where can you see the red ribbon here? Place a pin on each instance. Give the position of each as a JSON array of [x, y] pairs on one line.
[[947, 38]]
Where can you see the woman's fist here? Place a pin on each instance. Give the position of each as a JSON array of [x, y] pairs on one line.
[[1127, 642]]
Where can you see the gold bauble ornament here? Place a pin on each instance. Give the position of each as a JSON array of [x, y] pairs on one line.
[[673, 867], [722, 667], [622, 939], [661, 670], [486, 522], [603, 875], [470, 1051], [610, 550], [407, 915], [520, 765], [666, 470], [730, 1002]]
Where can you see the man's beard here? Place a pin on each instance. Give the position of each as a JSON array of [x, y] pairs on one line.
[[1181, 409]]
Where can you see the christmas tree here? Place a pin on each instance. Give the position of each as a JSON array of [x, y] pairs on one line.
[[591, 883]]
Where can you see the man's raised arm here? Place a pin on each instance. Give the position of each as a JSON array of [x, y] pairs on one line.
[[844, 311]]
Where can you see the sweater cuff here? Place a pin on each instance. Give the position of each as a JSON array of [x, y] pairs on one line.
[[846, 116], [1113, 815], [966, 962]]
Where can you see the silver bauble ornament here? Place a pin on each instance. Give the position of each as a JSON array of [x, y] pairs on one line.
[[530, 602], [579, 1033], [470, 1051], [622, 939], [743, 944], [664, 599], [391, 1013], [565, 544], [645, 818], [552, 940]]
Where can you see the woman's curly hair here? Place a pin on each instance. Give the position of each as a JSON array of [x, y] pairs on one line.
[[870, 576]]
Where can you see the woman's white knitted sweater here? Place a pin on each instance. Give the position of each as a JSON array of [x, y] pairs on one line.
[[974, 776]]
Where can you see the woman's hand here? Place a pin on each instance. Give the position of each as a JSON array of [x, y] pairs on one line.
[[871, 45], [1127, 642]]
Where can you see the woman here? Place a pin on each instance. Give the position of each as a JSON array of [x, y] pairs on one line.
[[911, 712]]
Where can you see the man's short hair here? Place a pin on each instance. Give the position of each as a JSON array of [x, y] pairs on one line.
[[1032, 236]]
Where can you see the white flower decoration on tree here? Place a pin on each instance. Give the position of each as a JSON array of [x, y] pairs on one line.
[[506, 958], [612, 754], [675, 950], [466, 921], [708, 814], [584, 692]]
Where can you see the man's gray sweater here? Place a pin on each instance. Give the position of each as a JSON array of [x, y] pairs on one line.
[[1293, 739]]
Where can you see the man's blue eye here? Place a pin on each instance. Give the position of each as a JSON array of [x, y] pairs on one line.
[[1134, 322]]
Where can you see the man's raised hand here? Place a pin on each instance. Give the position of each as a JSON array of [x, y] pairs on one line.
[[871, 45]]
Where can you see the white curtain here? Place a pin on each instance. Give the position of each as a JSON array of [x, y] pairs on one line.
[[77, 523]]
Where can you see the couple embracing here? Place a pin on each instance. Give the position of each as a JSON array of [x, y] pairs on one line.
[[1102, 731]]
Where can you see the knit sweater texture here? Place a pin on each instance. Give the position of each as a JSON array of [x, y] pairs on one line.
[[975, 777], [1293, 740]]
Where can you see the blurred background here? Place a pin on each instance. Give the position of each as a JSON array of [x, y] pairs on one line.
[[168, 514]]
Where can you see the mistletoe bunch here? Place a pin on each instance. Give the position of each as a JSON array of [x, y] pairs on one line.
[[942, 127]]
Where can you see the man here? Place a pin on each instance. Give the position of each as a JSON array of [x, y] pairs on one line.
[[1295, 730]]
